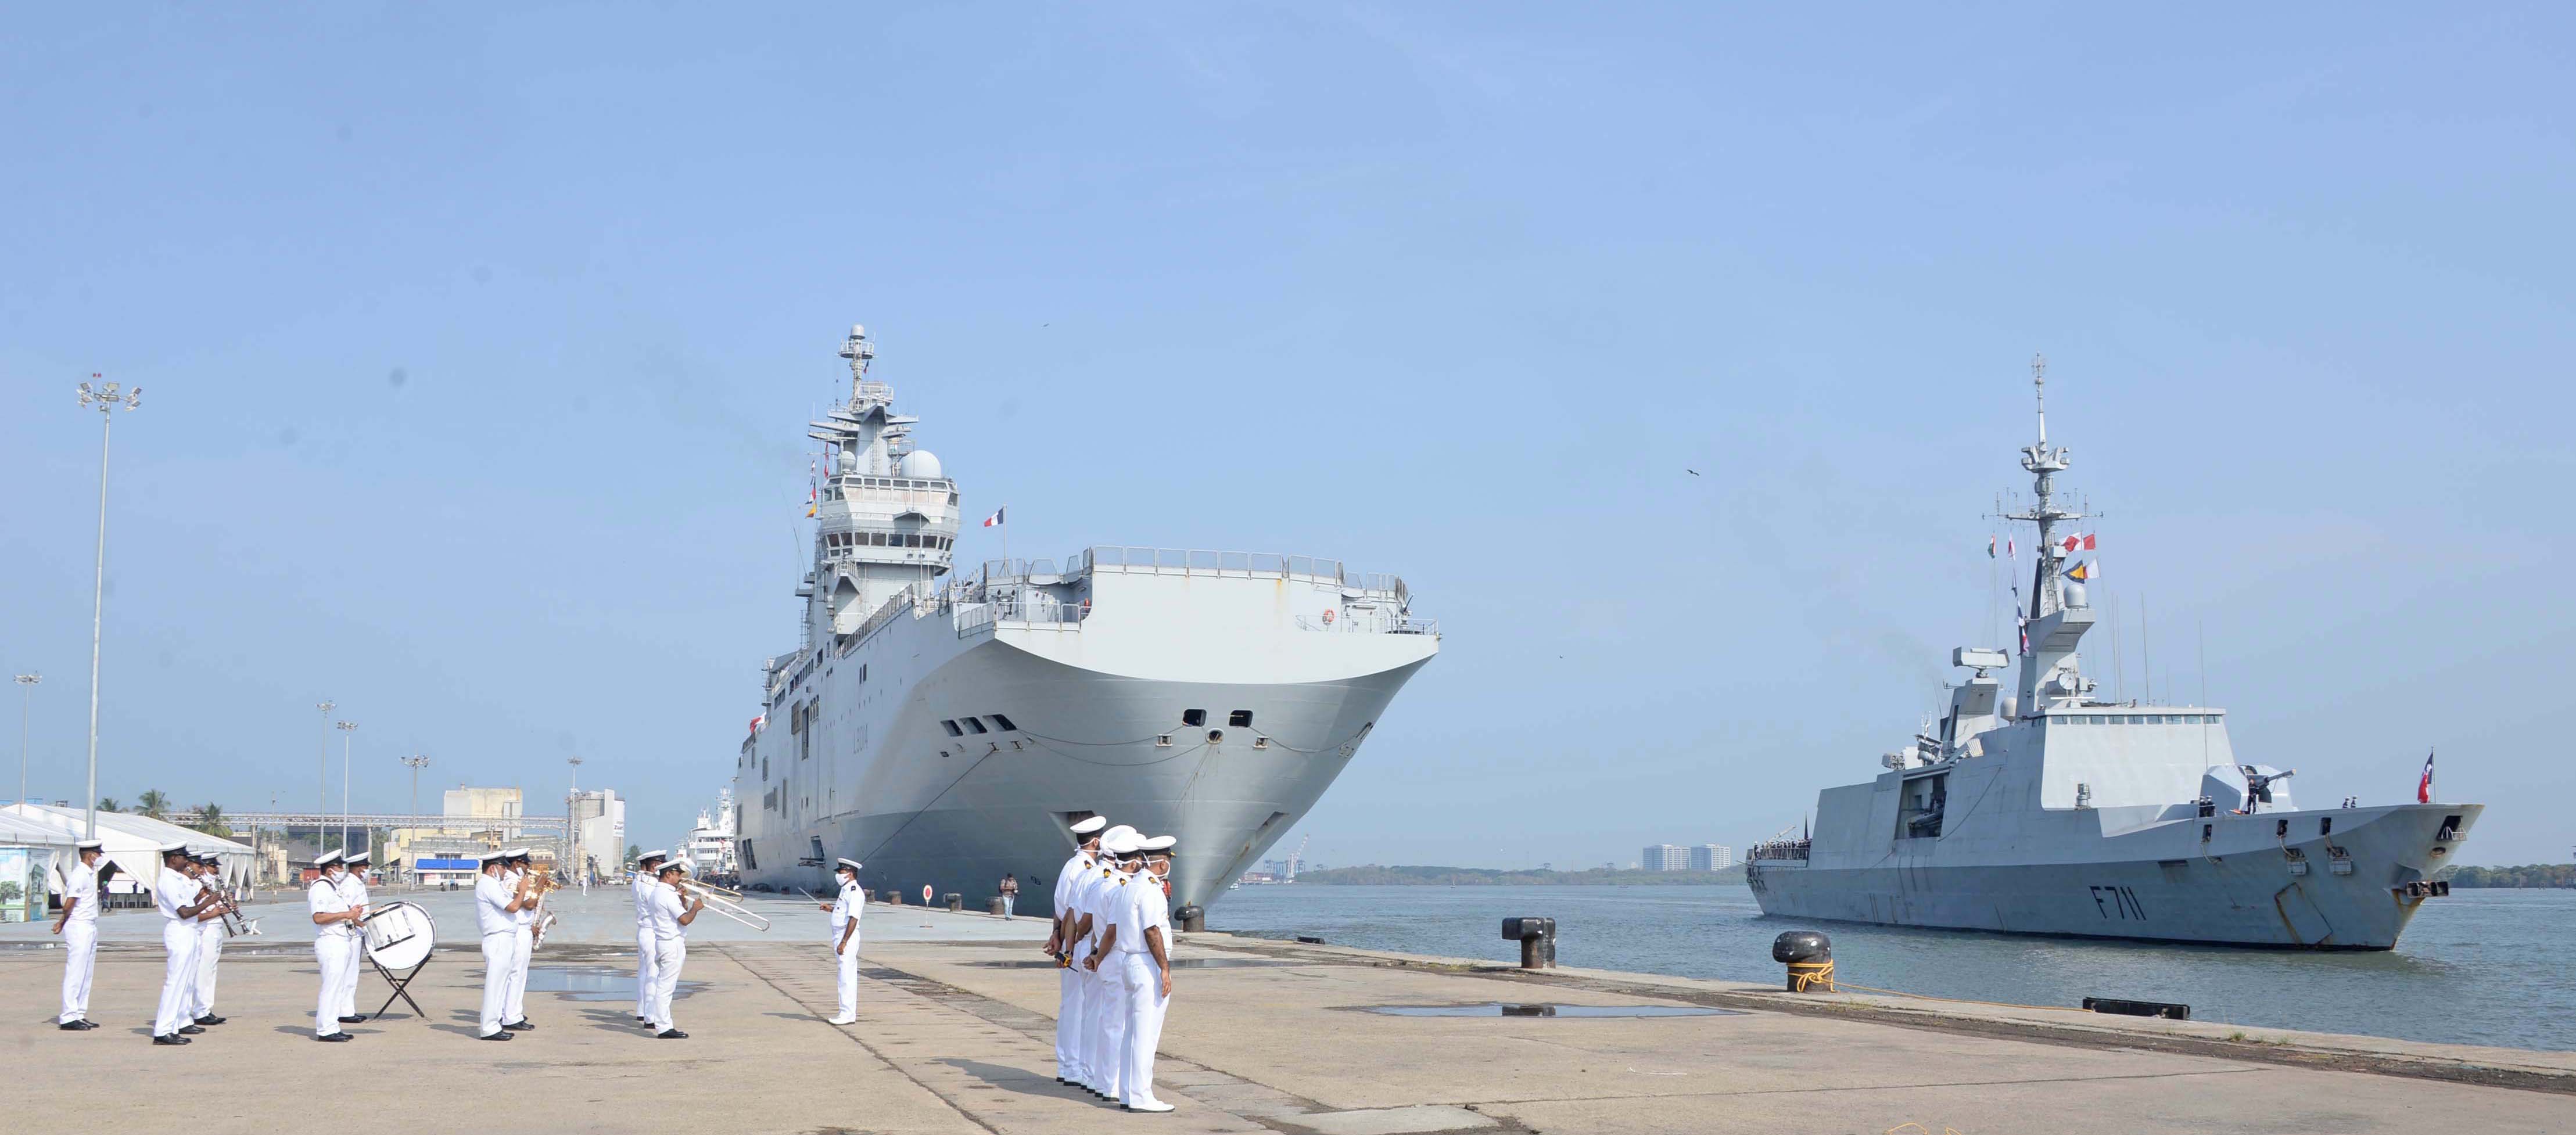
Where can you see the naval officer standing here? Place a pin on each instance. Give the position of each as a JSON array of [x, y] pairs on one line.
[[648, 867], [671, 918], [1102, 1024], [79, 928], [846, 909], [1069, 981], [494, 903], [522, 876], [181, 900], [353, 888], [335, 943], [1143, 937], [211, 933]]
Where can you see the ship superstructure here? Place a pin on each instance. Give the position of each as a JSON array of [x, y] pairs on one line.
[[944, 728], [2050, 809]]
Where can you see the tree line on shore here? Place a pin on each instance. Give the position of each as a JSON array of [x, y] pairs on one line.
[[2528, 875], [1373, 875], [156, 804]]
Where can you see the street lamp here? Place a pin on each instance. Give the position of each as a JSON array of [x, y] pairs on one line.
[[107, 398], [572, 822], [417, 762], [322, 779], [27, 693], [348, 729]]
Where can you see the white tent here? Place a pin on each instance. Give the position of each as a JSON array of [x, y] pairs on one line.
[[132, 842], [50, 849]]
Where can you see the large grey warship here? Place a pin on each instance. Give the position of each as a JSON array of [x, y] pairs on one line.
[[2051, 810], [943, 728]]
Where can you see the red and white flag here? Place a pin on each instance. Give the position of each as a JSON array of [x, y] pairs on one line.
[[759, 721], [2424, 787], [995, 520], [2075, 542]]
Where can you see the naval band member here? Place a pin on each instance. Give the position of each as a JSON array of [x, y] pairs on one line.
[[523, 940], [78, 925], [846, 909], [335, 942], [211, 933], [648, 868], [671, 918], [181, 901], [353, 888], [494, 903], [1059, 945]]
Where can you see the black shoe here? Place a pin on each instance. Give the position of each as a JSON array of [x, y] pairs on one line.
[[190, 1030], [494, 1036], [353, 1020], [670, 1034], [519, 1026], [170, 1038], [210, 1019], [335, 1037]]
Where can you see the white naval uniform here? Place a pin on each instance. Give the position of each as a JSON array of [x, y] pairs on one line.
[[1107, 1022], [514, 1008], [852, 903], [1069, 984], [171, 891], [210, 950], [500, 947], [335, 946], [1147, 908], [643, 885], [80, 940], [670, 951], [353, 889]]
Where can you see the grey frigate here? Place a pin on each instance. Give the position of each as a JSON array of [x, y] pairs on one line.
[[944, 728], [2051, 810]]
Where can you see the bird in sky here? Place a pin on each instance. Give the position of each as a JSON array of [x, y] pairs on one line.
[[1692, 472]]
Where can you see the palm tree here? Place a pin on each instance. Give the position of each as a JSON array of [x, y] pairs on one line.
[[209, 818], [154, 803], [109, 804]]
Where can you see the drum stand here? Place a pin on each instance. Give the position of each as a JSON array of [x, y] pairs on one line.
[[398, 983]]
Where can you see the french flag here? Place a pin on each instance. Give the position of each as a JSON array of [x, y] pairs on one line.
[[995, 520], [2424, 787]]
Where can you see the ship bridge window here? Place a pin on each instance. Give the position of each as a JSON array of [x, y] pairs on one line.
[[952, 728], [1194, 717], [973, 724], [1003, 723], [1240, 719]]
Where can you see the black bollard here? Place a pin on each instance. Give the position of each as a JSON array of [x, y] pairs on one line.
[[1810, 957], [1537, 937], [954, 900], [994, 906], [1193, 918]]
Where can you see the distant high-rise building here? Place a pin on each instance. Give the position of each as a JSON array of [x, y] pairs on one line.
[[1712, 857], [1666, 857], [501, 805]]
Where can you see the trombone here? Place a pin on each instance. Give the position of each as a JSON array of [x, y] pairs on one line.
[[714, 898]]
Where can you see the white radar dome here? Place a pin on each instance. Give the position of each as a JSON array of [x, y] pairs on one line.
[[921, 464]]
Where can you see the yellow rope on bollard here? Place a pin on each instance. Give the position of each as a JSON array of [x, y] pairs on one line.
[[1804, 974]]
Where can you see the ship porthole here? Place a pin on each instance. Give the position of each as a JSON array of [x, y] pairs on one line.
[[1215, 736]]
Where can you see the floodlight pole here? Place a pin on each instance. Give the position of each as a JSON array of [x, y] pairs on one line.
[[348, 731], [27, 690], [107, 398]]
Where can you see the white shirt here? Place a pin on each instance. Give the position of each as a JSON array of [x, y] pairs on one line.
[[1147, 909], [172, 891], [82, 884], [846, 909], [643, 885], [492, 905], [1091, 897], [1067, 877], [323, 897], [665, 904], [353, 888], [525, 916]]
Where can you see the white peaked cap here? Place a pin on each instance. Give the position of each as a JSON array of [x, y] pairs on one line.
[[518, 853], [1114, 833], [679, 865], [327, 858], [1160, 843], [852, 864], [360, 857], [89, 845], [1090, 825], [490, 856], [656, 853], [1122, 841]]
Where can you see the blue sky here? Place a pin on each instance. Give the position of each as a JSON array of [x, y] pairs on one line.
[[478, 343]]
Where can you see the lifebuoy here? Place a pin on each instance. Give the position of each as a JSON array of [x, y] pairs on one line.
[[1328, 616]]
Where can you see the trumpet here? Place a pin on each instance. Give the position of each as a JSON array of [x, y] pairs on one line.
[[235, 926], [722, 905]]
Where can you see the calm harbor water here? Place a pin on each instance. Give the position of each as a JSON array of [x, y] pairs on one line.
[[2495, 967]]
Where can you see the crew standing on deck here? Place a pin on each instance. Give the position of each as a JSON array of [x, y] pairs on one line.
[[647, 869], [353, 888], [1144, 941], [79, 927], [210, 942], [523, 940], [1069, 981], [846, 909], [494, 903], [335, 942], [176, 896], [671, 918]]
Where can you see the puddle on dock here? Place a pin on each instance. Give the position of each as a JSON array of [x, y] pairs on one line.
[[1498, 1009], [1177, 963], [595, 983]]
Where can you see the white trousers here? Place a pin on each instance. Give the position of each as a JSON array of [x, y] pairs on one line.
[[500, 949], [210, 950], [515, 1009], [1069, 988], [1145, 1005], [348, 992], [338, 954], [643, 971], [178, 976], [668, 957], [846, 963], [1107, 1000], [80, 959]]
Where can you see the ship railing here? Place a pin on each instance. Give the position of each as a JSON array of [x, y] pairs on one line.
[[1040, 611], [1198, 562], [1790, 850], [1363, 621]]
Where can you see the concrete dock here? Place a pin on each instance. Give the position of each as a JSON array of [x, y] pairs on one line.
[[956, 1026]]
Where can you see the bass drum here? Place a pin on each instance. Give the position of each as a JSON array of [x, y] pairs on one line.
[[399, 935]]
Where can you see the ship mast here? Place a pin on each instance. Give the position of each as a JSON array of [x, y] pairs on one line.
[[2044, 465]]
